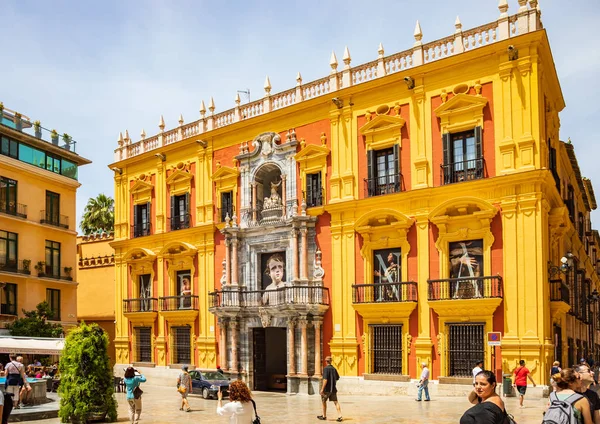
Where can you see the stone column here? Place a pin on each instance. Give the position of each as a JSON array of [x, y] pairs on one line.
[[233, 325], [304, 257], [254, 202], [317, 326], [223, 344], [294, 254], [302, 323], [292, 346], [227, 261], [234, 261], [283, 194]]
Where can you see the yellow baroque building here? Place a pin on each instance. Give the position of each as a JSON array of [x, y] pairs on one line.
[[388, 214], [38, 186]]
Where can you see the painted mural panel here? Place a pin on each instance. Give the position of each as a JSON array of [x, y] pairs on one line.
[[387, 273]]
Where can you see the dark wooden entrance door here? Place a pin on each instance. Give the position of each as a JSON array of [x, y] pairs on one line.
[[259, 352]]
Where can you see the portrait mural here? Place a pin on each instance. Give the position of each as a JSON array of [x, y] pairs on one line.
[[387, 271], [272, 276], [466, 260], [184, 287]]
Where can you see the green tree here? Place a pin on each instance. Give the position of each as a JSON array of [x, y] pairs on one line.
[[86, 378], [98, 215], [35, 323]]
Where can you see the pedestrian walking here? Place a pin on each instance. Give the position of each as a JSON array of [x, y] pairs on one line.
[[566, 401], [241, 409], [15, 379], [423, 384], [521, 376], [554, 370], [489, 407], [478, 368], [184, 387], [134, 393], [329, 390], [586, 380]]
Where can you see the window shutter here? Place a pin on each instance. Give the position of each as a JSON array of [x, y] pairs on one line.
[[173, 214], [371, 164], [478, 138], [135, 215], [309, 189], [187, 203], [319, 188], [447, 158], [396, 179]]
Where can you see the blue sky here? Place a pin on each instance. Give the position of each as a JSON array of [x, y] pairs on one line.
[[93, 69]]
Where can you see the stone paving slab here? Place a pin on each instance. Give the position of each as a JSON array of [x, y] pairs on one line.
[[161, 405]]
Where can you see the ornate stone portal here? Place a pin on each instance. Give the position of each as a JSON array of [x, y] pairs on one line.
[[272, 276]]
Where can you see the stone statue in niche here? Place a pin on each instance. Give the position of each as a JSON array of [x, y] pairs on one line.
[[274, 200]]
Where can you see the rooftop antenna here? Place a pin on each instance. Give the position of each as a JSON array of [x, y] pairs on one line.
[[245, 92]]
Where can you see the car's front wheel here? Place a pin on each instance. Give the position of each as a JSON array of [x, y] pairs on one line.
[[205, 393]]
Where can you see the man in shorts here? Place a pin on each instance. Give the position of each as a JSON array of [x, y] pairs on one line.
[[329, 390], [521, 376], [15, 378]]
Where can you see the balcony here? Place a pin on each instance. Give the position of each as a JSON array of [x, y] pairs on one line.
[[46, 217], [145, 304], [14, 266], [178, 303], [394, 300], [467, 170], [288, 297], [465, 288], [12, 208], [180, 222], [385, 184], [559, 291], [47, 271], [141, 229]]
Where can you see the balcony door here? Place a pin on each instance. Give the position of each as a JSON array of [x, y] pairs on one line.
[[53, 258], [179, 212], [145, 292], [52, 208], [463, 159], [141, 220], [8, 250], [466, 346], [8, 196]]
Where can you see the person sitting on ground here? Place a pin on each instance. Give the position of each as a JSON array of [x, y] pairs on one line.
[[240, 409], [489, 407], [567, 382]]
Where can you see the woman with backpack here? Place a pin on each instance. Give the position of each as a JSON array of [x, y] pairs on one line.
[[134, 394], [489, 407], [567, 406]]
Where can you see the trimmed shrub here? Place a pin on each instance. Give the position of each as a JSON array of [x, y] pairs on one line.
[[86, 377]]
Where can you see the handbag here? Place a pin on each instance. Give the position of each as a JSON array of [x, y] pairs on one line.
[[137, 392], [257, 419], [181, 389]]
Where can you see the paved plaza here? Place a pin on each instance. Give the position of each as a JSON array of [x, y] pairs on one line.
[[161, 405]]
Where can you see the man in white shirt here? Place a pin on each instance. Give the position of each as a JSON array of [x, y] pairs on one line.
[[423, 383], [478, 368]]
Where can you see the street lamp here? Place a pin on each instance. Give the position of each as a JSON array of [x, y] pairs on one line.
[[566, 262]]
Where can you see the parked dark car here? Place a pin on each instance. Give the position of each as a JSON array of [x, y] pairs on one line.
[[207, 383]]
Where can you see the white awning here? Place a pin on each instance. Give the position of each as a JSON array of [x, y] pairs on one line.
[[31, 345]]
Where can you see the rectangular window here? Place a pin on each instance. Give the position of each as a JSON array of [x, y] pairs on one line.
[[32, 156], [386, 349], [9, 300], [8, 251], [53, 299], [580, 226], [181, 345], [383, 171], [8, 196], [226, 205], [145, 292], [465, 347], [52, 259], [52, 214], [52, 163], [9, 147], [37, 157], [314, 190], [141, 220], [143, 344], [463, 158], [570, 203], [180, 216]]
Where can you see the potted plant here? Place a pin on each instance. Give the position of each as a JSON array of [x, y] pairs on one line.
[[37, 128], [67, 271], [67, 139], [54, 137], [86, 385], [26, 265], [18, 121], [40, 267]]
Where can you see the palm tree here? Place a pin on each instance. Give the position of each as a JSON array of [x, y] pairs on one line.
[[98, 215]]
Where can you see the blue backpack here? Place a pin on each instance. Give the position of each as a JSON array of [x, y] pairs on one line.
[[561, 411]]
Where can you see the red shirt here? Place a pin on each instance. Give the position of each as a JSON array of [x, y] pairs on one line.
[[521, 376]]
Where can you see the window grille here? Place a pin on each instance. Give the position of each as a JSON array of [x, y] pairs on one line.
[[143, 344], [181, 344], [465, 348], [385, 349]]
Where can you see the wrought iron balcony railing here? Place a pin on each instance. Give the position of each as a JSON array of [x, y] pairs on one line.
[[180, 222], [288, 295], [465, 288], [385, 184], [405, 291], [466, 170], [176, 303], [18, 267], [141, 230], [144, 304], [559, 291], [47, 217], [12, 208]]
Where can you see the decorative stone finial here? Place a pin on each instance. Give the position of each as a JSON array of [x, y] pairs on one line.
[[346, 58], [522, 6], [303, 207], [457, 25], [267, 86], [333, 63], [161, 123], [227, 220], [126, 135], [180, 119], [368, 115], [224, 272], [444, 96], [234, 221], [503, 8], [477, 87], [380, 50], [298, 79], [237, 99], [302, 143], [211, 105], [323, 139], [202, 109], [120, 140], [143, 134], [418, 34]]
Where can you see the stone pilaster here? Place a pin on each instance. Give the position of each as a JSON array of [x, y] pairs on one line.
[[291, 347]]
